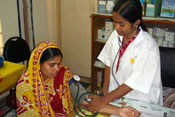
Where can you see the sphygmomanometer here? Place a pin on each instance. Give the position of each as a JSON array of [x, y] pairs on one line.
[[79, 94]]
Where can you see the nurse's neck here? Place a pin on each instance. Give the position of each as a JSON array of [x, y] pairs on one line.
[[128, 37]]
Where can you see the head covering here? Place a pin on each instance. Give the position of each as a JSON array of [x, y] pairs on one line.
[[30, 93]]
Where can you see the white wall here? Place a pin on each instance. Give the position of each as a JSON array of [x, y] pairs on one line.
[[9, 20], [75, 28], [42, 18], [76, 35]]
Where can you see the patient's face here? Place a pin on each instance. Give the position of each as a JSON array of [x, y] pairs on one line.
[[50, 67]]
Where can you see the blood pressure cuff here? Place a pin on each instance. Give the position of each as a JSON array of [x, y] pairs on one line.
[[77, 87], [167, 58]]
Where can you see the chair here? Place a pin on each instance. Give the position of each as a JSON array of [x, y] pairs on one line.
[[16, 50], [167, 57]]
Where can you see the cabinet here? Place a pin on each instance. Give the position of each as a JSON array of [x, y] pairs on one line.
[[98, 22]]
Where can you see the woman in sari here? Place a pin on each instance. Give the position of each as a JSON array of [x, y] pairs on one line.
[[43, 89]]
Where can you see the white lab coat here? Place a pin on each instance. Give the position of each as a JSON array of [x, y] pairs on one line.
[[139, 67]]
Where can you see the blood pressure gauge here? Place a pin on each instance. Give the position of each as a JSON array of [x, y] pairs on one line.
[[76, 78]]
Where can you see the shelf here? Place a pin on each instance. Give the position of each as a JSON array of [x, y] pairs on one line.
[[102, 15], [145, 19], [99, 67], [100, 41], [98, 22], [160, 20]]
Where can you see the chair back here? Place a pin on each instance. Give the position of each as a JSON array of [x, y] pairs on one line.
[[16, 50], [167, 57]]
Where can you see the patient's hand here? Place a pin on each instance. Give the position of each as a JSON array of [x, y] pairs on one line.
[[129, 112], [105, 90]]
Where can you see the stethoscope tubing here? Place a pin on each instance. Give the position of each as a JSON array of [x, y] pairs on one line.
[[113, 75], [120, 46]]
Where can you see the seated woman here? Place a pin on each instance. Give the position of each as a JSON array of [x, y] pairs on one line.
[[43, 89]]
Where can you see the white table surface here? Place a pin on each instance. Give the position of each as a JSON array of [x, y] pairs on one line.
[[147, 110]]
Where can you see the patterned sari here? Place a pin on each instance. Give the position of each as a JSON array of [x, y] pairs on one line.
[[38, 98]]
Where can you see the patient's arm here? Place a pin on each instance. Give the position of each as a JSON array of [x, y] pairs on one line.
[[122, 111]]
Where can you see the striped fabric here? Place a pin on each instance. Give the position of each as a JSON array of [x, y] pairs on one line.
[[169, 99]]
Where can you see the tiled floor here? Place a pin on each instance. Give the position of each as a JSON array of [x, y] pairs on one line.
[[6, 111]]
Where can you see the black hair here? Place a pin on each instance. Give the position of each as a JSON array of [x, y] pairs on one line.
[[131, 10], [50, 53]]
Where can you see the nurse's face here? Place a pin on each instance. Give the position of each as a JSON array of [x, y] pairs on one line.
[[50, 68], [122, 26]]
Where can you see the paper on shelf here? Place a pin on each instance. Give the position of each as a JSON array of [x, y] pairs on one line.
[[99, 64]]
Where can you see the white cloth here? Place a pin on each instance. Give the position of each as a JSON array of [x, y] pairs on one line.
[[139, 67]]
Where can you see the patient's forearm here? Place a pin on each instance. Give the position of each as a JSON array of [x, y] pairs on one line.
[[122, 111], [110, 109]]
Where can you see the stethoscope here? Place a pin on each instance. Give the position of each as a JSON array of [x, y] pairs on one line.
[[120, 46]]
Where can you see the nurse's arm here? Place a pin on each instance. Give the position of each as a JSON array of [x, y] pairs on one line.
[[106, 80], [119, 92], [98, 102]]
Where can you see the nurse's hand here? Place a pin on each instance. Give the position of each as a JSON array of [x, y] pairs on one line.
[[96, 103], [105, 90], [129, 112]]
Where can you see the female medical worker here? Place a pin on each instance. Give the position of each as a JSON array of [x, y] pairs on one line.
[[131, 58]]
